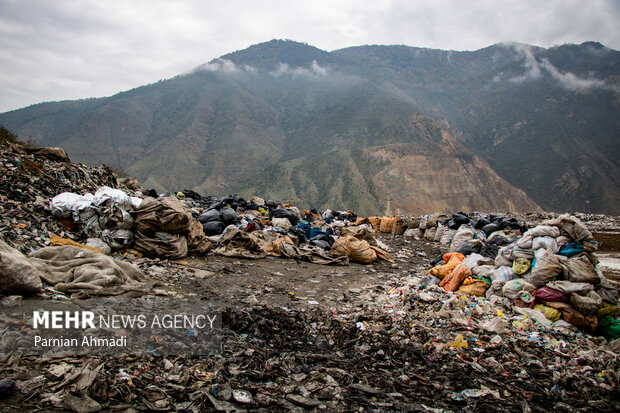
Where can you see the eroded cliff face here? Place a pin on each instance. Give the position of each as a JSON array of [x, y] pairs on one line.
[[444, 179]]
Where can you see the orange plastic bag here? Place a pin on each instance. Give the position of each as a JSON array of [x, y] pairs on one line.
[[456, 277], [453, 255], [451, 260]]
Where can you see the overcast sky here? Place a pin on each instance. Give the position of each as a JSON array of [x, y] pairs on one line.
[[71, 49]]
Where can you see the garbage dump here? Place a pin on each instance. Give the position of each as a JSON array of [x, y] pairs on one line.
[[166, 227], [31, 177], [524, 320], [551, 269]]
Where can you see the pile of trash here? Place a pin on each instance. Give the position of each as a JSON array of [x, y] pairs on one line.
[[548, 272], [172, 226], [393, 348], [514, 314], [30, 178]]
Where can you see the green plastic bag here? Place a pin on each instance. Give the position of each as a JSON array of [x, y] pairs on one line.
[[609, 327]]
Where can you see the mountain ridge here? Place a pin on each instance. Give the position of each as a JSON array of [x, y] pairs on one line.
[[281, 104]]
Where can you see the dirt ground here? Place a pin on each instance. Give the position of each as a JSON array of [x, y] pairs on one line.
[[282, 282], [302, 337]]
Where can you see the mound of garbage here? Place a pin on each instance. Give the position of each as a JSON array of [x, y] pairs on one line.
[[514, 313], [548, 272]]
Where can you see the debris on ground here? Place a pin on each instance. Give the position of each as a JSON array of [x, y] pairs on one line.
[[468, 312]]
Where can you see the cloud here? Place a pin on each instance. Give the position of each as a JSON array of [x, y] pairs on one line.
[[571, 81], [67, 49], [534, 70], [222, 65], [315, 70]]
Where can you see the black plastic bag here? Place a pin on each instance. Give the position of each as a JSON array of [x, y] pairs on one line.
[[208, 216], [500, 241], [489, 250], [460, 219], [324, 237], [252, 206], [467, 247], [321, 244], [283, 213], [228, 215], [299, 233], [481, 223], [213, 228], [437, 260], [490, 228]]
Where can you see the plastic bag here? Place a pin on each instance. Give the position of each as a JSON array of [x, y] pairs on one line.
[[209, 216], [520, 266], [387, 223], [356, 249], [579, 269], [451, 261], [424, 222], [471, 246], [456, 277], [65, 204], [570, 287], [607, 291], [461, 236], [399, 227], [504, 257], [535, 315], [473, 260], [489, 229], [526, 253], [431, 280], [447, 236], [429, 234], [572, 249], [512, 289], [543, 231], [502, 274], [525, 242], [588, 304], [476, 288], [608, 309], [572, 227], [439, 232], [483, 270], [547, 269], [545, 242], [459, 342], [281, 223], [551, 294], [116, 196], [609, 327], [18, 274], [551, 313], [413, 233]]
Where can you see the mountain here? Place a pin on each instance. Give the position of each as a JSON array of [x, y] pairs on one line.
[[430, 129]]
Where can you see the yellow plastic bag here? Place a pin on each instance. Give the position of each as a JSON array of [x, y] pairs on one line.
[[551, 313], [520, 266], [474, 287], [459, 342]]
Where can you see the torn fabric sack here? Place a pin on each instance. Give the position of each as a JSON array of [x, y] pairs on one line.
[[73, 269]]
